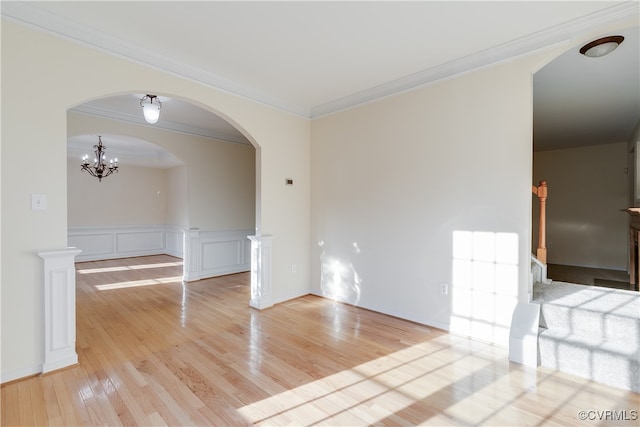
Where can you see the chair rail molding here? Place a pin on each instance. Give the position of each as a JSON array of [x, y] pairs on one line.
[[59, 308]]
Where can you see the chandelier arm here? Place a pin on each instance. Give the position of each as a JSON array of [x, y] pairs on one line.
[[88, 169]]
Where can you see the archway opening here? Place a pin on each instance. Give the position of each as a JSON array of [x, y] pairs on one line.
[[191, 173], [584, 114]]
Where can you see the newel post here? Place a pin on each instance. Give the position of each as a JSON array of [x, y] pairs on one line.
[[541, 192]]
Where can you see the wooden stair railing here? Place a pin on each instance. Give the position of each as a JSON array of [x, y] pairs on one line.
[[541, 192]]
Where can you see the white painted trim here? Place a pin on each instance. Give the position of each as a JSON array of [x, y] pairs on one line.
[[28, 14], [17, 374], [59, 309], [25, 13], [191, 271], [174, 241], [526, 45], [523, 334], [215, 253], [110, 242], [261, 295], [162, 124]]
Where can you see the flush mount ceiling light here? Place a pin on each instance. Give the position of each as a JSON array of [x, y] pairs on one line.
[[601, 47], [100, 169], [151, 106]]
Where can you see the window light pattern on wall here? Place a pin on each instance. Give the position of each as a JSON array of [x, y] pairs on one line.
[[484, 284]]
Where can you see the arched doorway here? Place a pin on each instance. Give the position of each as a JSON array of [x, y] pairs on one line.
[[585, 111], [208, 184]]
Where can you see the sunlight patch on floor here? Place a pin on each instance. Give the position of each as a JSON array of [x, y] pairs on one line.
[[373, 392], [128, 267], [137, 283]]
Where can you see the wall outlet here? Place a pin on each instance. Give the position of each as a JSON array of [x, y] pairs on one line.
[[444, 289], [294, 268]]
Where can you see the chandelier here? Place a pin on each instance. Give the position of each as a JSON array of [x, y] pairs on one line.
[[99, 169]]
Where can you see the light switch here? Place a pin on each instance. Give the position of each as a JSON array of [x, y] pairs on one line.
[[38, 202]]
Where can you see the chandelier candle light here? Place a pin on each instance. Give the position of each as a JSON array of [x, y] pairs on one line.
[[99, 169]]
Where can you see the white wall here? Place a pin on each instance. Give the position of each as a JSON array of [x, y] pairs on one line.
[[60, 75], [587, 188]]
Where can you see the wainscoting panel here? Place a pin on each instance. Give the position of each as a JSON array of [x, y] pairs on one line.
[[215, 253], [93, 245], [205, 253], [174, 242], [99, 243], [136, 241]]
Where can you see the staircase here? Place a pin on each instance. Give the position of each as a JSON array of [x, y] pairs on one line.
[[590, 331]]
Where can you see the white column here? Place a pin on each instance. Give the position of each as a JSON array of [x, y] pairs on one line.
[[261, 272], [190, 267], [59, 309]]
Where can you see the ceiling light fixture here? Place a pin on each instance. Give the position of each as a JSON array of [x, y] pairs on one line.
[[99, 169], [601, 47], [151, 106]]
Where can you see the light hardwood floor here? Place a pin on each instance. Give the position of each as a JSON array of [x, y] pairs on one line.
[[155, 351]]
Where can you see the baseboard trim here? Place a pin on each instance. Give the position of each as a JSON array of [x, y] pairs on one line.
[[20, 374]]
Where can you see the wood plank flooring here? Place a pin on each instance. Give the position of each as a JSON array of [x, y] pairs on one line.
[[155, 351]]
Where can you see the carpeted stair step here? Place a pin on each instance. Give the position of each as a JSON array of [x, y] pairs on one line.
[[601, 314], [613, 363], [591, 332]]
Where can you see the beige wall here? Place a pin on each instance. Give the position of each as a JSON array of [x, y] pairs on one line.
[[395, 184], [133, 196], [396, 181], [177, 200], [587, 189], [220, 177], [633, 145], [60, 75], [421, 202]]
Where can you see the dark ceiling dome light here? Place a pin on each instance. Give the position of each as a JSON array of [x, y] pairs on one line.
[[601, 47]]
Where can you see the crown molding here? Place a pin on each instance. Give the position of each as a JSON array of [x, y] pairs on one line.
[[555, 36], [25, 13], [162, 124]]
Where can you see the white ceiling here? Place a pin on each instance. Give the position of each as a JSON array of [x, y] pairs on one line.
[[315, 58], [580, 101]]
